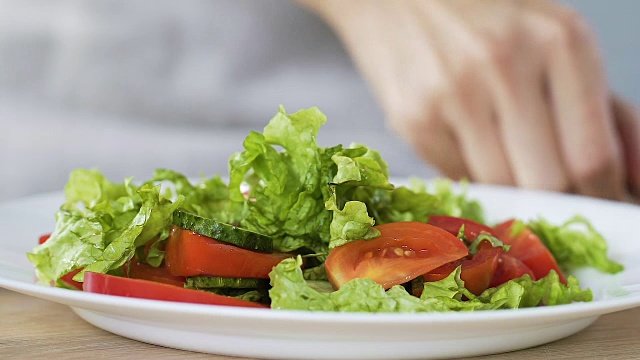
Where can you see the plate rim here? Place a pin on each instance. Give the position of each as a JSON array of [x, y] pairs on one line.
[[82, 299]]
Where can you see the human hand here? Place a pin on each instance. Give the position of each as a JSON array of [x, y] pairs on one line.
[[501, 91]]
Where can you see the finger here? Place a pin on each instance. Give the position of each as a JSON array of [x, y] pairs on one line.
[[465, 105], [440, 148], [579, 95], [627, 121], [471, 117], [529, 138], [433, 141]]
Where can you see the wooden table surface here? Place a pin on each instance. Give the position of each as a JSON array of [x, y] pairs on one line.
[[32, 328]]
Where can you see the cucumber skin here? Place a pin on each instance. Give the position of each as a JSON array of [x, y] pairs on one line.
[[222, 232], [254, 295], [209, 282]]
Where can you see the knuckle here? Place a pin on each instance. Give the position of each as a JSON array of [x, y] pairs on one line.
[[575, 25], [571, 30], [413, 113], [485, 59], [497, 52], [409, 121], [421, 126], [566, 29], [595, 168], [549, 35]]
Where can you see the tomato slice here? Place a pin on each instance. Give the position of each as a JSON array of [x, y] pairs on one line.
[[67, 279], [190, 254], [452, 224], [144, 289], [528, 248], [403, 251], [510, 268], [477, 270], [43, 238], [137, 270]]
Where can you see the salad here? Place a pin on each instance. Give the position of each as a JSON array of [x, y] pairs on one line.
[[303, 227]]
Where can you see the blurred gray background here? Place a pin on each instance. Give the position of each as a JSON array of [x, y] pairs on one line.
[[129, 86]]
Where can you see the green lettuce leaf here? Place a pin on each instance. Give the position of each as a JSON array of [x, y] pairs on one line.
[[575, 243], [91, 187], [450, 294], [547, 291], [358, 205], [475, 244], [209, 198], [453, 202], [359, 169], [287, 188], [402, 204], [155, 253], [418, 201], [290, 291], [292, 182], [350, 223], [98, 228], [360, 166]]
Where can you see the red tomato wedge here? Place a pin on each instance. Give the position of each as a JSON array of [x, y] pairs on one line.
[[452, 224], [67, 279], [477, 270], [528, 248], [160, 274], [43, 239], [190, 254], [510, 268], [403, 251], [143, 289]]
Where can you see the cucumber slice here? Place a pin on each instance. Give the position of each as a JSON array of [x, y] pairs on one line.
[[223, 232], [258, 295], [209, 282]]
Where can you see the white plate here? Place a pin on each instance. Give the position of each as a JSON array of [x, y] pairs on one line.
[[302, 335]]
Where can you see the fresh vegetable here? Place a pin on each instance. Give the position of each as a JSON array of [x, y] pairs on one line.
[[100, 226], [144, 289], [403, 251], [510, 268], [208, 198], [210, 282], [136, 270], [527, 247], [290, 291], [222, 232], [288, 187], [575, 243], [363, 240], [477, 270], [452, 224], [191, 254], [66, 281], [43, 238]]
